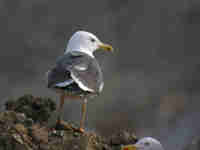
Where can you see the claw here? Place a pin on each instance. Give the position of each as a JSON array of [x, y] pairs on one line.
[[81, 130], [60, 124]]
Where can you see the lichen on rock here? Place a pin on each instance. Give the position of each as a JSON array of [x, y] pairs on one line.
[[37, 108]]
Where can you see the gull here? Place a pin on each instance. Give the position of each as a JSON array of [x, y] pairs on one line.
[[77, 74], [146, 143]]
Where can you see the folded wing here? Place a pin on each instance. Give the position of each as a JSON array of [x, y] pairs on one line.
[[76, 68]]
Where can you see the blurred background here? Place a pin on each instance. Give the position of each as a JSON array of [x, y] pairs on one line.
[[152, 81]]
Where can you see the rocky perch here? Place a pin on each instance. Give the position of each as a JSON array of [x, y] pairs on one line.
[[24, 126]]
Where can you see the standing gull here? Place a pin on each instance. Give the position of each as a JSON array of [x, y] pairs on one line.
[[77, 74]]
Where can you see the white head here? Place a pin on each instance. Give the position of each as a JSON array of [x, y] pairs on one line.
[[86, 42], [146, 143]]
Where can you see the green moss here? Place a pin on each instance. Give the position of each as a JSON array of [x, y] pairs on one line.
[[37, 108]]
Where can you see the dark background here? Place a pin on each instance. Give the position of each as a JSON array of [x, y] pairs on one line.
[[152, 81]]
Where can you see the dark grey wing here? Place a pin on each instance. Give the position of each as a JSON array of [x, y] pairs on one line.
[[58, 77], [84, 70]]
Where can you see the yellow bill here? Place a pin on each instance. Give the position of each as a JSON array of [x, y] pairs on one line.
[[106, 47], [129, 147]]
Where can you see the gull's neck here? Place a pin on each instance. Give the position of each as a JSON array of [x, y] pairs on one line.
[[88, 52]]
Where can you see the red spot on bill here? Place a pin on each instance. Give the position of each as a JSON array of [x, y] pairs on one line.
[[128, 147]]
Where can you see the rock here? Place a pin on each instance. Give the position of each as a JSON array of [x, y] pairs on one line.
[[23, 126], [39, 133], [123, 138]]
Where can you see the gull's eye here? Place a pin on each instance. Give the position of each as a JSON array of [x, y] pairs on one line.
[[92, 40], [146, 143]]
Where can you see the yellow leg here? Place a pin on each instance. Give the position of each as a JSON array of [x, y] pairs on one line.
[[83, 115]]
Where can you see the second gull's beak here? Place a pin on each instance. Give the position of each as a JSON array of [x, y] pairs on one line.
[[129, 147]]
